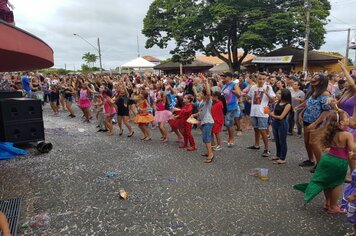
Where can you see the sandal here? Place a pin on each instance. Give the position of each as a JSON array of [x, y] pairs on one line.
[[273, 158], [130, 135], [209, 160], [280, 162], [337, 211], [143, 138], [147, 139], [121, 132]]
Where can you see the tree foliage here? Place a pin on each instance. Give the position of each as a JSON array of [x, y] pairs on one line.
[[89, 58], [217, 27]]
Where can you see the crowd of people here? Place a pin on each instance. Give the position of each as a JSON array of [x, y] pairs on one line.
[[319, 107]]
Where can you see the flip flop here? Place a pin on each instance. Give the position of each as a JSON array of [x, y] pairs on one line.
[[338, 211]]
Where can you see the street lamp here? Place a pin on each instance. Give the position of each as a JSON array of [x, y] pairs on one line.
[[96, 48]]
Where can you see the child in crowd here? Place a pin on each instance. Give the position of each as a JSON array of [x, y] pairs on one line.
[[162, 114], [332, 169], [180, 122], [143, 118], [280, 124], [99, 112], [218, 111], [109, 110]]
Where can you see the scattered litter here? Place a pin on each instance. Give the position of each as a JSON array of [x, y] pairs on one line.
[[81, 130], [123, 194], [171, 179], [111, 174], [255, 172], [40, 221]]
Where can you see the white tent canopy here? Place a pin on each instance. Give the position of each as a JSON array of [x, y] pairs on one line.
[[138, 63]]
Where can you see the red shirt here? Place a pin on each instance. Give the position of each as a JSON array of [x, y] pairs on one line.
[[217, 112]]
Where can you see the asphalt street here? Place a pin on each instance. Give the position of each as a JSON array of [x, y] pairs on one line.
[[171, 191]]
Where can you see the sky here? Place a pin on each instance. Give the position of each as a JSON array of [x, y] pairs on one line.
[[118, 24]]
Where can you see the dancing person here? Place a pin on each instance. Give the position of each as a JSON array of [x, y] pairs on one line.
[[349, 202], [123, 110], [331, 170], [69, 91], [84, 101], [231, 92], [162, 114], [53, 98], [280, 125], [218, 110], [316, 103], [206, 119], [180, 122], [298, 97], [261, 95], [143, 118], [109, 110]]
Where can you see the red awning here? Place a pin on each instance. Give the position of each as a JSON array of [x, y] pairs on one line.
[[20, 50]]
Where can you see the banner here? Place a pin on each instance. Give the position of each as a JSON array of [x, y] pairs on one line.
[[273, 60]]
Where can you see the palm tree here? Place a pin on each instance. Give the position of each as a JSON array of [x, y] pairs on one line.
[[89, 58]]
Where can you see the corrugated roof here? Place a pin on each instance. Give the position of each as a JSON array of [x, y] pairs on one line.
[[176, 65], [299, 53], [216, 61]]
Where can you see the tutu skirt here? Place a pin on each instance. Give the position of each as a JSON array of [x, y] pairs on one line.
[[162, 116], [84, 103], [330, 173], [143, 118]]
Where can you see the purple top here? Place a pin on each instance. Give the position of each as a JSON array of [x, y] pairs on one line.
[[347, 104]]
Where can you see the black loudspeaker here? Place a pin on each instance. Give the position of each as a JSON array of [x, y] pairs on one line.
[[6, 94], [21, 120], [22, 132], [20, 109]]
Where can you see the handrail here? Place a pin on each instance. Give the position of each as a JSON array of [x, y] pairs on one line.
[[23, 31]]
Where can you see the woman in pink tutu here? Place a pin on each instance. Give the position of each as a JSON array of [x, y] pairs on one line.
[[84, 101], [6, 13], [162, 114]]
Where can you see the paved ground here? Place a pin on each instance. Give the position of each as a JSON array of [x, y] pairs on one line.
[[171, 191]]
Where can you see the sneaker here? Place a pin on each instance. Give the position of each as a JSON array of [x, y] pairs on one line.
[[306, 163], [280, 162], [230, 145], [253, 147], [266, 153], [217, 148]]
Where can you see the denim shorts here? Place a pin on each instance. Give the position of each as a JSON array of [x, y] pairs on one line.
[[207, 128], [259, 122], [230, 118]]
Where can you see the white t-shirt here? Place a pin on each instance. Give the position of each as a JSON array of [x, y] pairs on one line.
[[260, 100]]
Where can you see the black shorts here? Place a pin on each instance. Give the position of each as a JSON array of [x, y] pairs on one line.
[[54, 97]]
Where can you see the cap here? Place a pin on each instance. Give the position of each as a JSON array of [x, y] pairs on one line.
[[228, 74]]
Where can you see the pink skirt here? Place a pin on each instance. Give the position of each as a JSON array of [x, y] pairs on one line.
[[162, 116], [84, 103]]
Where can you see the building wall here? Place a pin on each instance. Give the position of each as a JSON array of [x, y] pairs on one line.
[[330, 67]]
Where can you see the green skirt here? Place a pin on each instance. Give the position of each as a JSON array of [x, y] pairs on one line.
[[330, 173]]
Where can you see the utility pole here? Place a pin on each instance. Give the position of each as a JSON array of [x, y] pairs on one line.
[[307, 33], [99, 51], [348, 45]]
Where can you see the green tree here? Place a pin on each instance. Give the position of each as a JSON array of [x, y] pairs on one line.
[[90, 58], [217, 27]]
